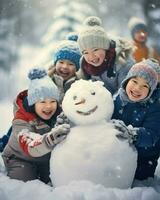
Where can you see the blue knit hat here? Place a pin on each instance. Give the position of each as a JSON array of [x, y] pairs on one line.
[[146, 70], [41, 86], [68, 50], [135, 24]]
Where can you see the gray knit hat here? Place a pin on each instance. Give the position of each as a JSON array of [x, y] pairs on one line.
[[41, 86], [93, 35], [146, 70]]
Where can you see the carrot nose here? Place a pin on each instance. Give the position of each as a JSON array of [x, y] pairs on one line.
[[80, 102]]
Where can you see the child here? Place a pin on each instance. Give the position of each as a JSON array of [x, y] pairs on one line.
[[102, 58], [139, 32], [137, 115], [27, 153], [63, 71], [65, 63]]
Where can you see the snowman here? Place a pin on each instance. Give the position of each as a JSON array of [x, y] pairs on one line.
[[92, 150]]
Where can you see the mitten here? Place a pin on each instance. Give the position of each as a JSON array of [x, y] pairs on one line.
[[57, 134], [125, 132], [62, 119]]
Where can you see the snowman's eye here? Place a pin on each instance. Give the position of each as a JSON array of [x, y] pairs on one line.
[[93, 93], [74, 97]]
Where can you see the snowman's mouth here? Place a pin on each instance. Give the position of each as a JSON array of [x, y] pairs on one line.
[[88, 112]]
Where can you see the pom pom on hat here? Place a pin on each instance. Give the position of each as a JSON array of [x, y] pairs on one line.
[[41, 86], [37, 73], [135, 24], [93, 35], [146, 70], [72, 36], [68, 50], [93, 21]]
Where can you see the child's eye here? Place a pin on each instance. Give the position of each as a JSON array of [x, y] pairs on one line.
[[84, 52], [134, 81], [71, 64], [146, 86], [95, 49]]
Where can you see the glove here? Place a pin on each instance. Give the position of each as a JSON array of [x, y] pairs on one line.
[[62, 119], [125, 132], [27, 139], [57, 134]]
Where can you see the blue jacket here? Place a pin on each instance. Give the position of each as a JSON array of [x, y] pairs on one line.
[[146, 116]]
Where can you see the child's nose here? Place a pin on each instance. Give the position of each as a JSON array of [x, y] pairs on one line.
[[65, 65], [48, 105], [91, 56], [138, 87], [142, 33]]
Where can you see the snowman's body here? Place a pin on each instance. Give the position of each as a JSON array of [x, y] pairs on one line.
[[92, 151]]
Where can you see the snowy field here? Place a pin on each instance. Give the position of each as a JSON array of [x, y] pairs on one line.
[[80, 190]]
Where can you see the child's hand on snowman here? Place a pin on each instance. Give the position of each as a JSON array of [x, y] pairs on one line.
[[125, 132], [57, 134], [62, 119]]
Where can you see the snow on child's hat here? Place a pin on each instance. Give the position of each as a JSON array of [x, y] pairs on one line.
[[68, 50], [155, 66], [146, 70], [41, 86], [136, 24], [93, 35]]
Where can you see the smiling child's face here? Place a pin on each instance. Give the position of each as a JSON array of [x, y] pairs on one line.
[[46, 108], [66, 69], [137, 89], [94, 56]]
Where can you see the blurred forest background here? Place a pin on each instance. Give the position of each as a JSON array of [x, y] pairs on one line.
[[40, 23]]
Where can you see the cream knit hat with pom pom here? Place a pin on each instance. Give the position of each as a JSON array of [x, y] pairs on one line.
[[93, 35]]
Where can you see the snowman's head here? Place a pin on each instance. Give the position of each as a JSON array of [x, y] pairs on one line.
[[87, 102]]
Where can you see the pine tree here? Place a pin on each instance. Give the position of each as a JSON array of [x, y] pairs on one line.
[[8, 52]]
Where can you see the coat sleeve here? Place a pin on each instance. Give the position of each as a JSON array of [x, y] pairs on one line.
[[148, 140], [32, 144]]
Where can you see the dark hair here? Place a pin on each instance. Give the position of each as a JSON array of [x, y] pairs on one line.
[[26, 106]]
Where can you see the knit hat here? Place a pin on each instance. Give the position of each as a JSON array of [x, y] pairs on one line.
[[68, 50], [93, 35], [135, 24], [155, 66], [144, 69], [41, 86]]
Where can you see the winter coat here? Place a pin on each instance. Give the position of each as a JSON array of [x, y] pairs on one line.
[[122, 63], [146, 117], [4, 139], [142, 51], [62, 85], [30, 121]]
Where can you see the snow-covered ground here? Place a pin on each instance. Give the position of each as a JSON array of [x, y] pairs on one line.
[[80, 190]]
